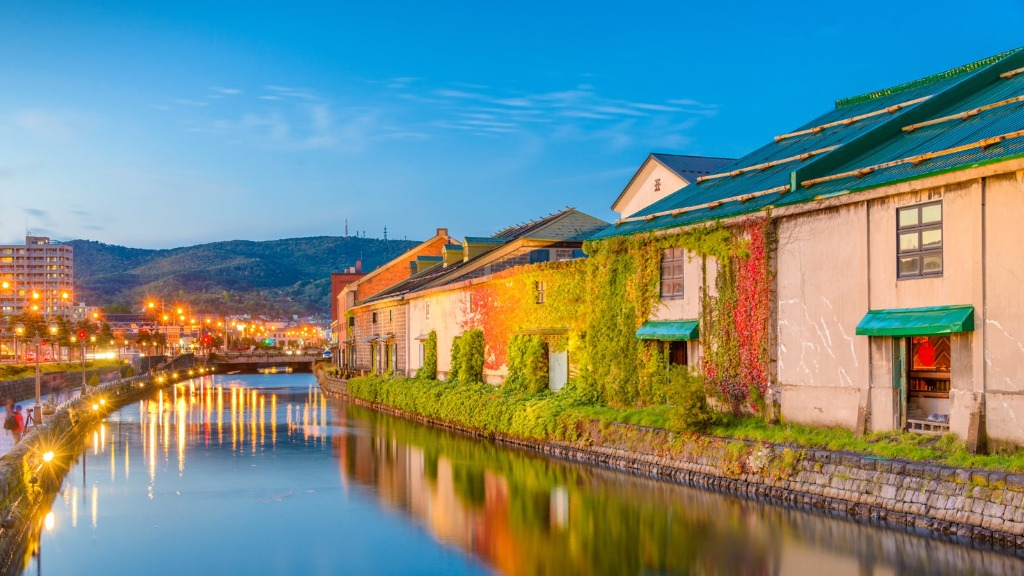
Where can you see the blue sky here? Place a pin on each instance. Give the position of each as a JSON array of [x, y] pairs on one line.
[[158, 125]]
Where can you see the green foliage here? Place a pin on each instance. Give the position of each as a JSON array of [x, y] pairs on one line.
[[527, 365], [94, 380], [456, 361], [471, 356], [429, 368], [688, 396], [127, 372]]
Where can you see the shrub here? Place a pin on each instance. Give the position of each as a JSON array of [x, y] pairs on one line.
[[688, 395], [471, 356], [456, 361], [527, 365], [429, 368]]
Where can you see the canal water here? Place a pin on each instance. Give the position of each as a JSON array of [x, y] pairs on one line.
[[263, 475]]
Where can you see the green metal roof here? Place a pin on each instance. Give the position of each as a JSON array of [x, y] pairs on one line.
[[668, 330], [917, 321], [860, 132]]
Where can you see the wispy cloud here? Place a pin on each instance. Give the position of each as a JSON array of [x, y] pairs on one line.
[[43, 125], [221, 92], [188, 102], [409, 109]]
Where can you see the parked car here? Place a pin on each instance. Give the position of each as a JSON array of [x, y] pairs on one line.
[[327, 355]]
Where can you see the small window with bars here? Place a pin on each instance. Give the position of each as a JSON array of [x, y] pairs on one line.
[[539, 287], [919, 241], [672, 260]]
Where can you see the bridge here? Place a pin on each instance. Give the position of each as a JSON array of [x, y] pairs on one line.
[[260, 360]]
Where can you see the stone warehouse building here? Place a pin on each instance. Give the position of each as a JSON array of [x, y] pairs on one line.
[[896, 276]]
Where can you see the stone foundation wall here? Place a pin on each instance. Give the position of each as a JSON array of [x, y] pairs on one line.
[[960, 504]]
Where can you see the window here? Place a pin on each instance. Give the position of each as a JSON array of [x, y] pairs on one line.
[[351, 320], [919, 241], [391, 315], [672, 273], [373, 318], [427, 310], [563, 254], [540, 255], [539, 286], [469, 302], [657, 184]]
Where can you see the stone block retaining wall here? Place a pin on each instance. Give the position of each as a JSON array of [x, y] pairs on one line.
[[968, 505]]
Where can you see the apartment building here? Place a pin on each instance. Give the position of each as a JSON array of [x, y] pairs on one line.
[[37, 276]]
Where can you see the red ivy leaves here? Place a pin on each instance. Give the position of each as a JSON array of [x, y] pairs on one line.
[[753, 307]]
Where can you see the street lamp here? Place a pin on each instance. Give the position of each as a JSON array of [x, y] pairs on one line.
[[37, 340], [81, 338]]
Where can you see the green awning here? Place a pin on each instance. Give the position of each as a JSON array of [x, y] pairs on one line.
[[668, 330], [917, 321]]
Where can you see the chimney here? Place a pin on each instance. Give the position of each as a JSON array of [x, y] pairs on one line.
[[359, 266], [442, 232]]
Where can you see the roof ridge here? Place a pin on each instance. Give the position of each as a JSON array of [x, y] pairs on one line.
[[691, 156], [513, 232], [962, 69]]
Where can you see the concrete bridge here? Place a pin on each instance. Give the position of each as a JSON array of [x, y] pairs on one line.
[[256, 360]]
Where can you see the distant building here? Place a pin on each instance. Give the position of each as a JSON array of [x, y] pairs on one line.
[[339, 280], [37, 276], [661, 175]]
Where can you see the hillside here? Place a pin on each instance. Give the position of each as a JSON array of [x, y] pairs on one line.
[[290, 276]]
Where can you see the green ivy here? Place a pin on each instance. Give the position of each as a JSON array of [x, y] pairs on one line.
[[527, 365], [429, 368], [456, 363], [471, 356]]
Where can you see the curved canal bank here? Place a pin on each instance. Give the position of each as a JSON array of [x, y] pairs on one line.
[[32, 471], [977, 506]]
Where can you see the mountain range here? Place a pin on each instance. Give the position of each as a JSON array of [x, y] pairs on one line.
[[274, 277]]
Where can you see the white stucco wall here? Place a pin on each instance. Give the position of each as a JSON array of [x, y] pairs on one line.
[[1003, 325], [822, 269], [642, 193], [447, 312]]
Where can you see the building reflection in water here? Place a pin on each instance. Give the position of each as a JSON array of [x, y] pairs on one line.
[[519, 513], [524, 514]]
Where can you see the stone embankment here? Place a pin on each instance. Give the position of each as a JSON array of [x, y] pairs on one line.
[[985, 507]]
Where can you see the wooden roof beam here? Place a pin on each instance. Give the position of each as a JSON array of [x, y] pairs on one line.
[[915, 160], [847, 121], [965, 114], [767, 165]]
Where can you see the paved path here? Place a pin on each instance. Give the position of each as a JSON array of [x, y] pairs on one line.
[[6, 437]]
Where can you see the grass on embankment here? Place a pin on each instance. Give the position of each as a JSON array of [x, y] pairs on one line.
[[18, 371], [563, 416]]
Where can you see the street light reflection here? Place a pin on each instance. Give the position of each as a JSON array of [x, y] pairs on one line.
[[193, 416]]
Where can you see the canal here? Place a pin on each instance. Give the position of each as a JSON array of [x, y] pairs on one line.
[[262, 474]]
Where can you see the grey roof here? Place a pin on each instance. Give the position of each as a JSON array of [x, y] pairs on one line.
[[690, 168], [566, 224]]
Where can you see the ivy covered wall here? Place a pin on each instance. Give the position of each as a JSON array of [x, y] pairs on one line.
[[598, 303]]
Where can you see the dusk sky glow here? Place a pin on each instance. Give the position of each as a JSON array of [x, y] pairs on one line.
[[157, 125]]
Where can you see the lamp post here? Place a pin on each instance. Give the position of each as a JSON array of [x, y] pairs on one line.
[[37, 340], [81, 338]]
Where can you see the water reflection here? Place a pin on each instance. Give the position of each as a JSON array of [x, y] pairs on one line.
[[305, 484], [528, 515]]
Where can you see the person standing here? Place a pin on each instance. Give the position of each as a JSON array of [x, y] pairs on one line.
[[11, 420], [20, 430]]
